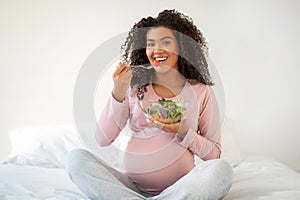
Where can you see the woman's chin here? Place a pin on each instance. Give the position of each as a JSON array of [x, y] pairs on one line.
[[162, 68]]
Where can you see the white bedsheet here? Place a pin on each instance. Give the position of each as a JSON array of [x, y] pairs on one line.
[[264, 180], [253, 180], [36, 183]]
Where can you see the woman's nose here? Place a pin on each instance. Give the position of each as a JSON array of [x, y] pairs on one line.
[[158, 50]]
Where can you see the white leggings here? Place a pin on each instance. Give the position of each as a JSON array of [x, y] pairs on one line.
[[209, 180]]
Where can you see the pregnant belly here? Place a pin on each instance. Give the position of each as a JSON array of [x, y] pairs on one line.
[[158, 180], [157, 162]]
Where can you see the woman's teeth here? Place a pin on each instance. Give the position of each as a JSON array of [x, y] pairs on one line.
[[161, 58]]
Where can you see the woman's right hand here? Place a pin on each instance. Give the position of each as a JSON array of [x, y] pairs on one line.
[[122, 77]]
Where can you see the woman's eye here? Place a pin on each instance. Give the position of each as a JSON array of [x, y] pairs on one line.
[[150, 44], [166, 42]]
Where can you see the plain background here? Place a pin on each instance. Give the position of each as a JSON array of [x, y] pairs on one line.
[[254, 45]]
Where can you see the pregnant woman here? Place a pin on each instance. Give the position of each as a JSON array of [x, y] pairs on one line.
[[164, 57]]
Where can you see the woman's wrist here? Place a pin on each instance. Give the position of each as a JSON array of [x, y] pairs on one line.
[[118, 98]]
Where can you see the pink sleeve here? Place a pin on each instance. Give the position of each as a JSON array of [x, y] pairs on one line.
[[206, 144], [112, 120]]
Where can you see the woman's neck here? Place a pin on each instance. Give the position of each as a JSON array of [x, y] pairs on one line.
[[168, 85]]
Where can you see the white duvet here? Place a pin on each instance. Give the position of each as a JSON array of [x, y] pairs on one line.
[[253, 180]]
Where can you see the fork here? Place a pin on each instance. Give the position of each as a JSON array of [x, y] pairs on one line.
[[142, 66]]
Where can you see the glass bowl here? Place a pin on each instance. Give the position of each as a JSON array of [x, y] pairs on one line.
[[165, 111]]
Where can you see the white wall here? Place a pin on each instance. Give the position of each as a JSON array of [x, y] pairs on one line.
[[254, 45]]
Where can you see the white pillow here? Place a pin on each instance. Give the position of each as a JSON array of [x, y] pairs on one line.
[[48, 146], [45, 146]]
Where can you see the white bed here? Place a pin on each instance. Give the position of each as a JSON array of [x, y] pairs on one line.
[[35, 169]]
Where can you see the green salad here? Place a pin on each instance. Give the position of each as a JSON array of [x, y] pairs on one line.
[[167, 111]]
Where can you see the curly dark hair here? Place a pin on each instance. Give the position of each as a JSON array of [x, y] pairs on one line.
[[192, 58]]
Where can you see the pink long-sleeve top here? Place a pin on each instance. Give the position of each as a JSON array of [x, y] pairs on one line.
[[156, 159]]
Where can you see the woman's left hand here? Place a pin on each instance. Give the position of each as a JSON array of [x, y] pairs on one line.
[[180, 128]]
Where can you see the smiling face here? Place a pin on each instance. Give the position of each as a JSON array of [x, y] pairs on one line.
[[162, 49]]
